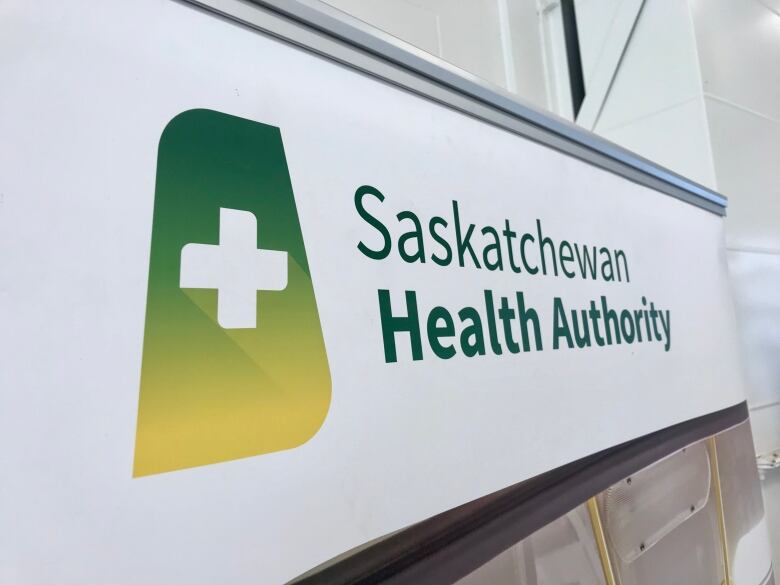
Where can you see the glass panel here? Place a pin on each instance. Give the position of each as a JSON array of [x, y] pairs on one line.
[[743, 509], [662, 522], [661, 526], [562, 553], [643, 509]]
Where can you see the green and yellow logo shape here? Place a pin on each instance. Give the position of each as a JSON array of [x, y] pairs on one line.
[[234, 362]]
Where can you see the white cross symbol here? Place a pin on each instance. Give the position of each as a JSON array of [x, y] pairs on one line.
[[235, 268]]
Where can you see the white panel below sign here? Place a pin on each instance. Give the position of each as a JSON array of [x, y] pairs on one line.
[[88, 90]]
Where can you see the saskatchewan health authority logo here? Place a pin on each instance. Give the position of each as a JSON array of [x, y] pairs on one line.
[[234, 362]]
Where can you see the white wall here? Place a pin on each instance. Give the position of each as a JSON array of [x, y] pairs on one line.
[[655, 105], [739, 49], [497, 40]]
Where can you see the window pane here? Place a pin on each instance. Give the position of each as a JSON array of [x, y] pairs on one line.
[[746, 532], [562, 553], [662, 522]]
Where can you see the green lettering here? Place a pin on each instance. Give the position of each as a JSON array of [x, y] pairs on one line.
[[587, 263], [472, 338], [413, 235], [510, 235], [443, 261], [387, 245], [436, 332], [463, 243], [560, 324], [494, 246], [566, 256], [607, 263], [392, 325], [618, 255], [523, 241]]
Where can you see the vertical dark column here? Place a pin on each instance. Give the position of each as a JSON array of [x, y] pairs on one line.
[[573, 57]]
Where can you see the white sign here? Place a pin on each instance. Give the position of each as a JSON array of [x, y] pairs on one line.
[[486, 389]]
